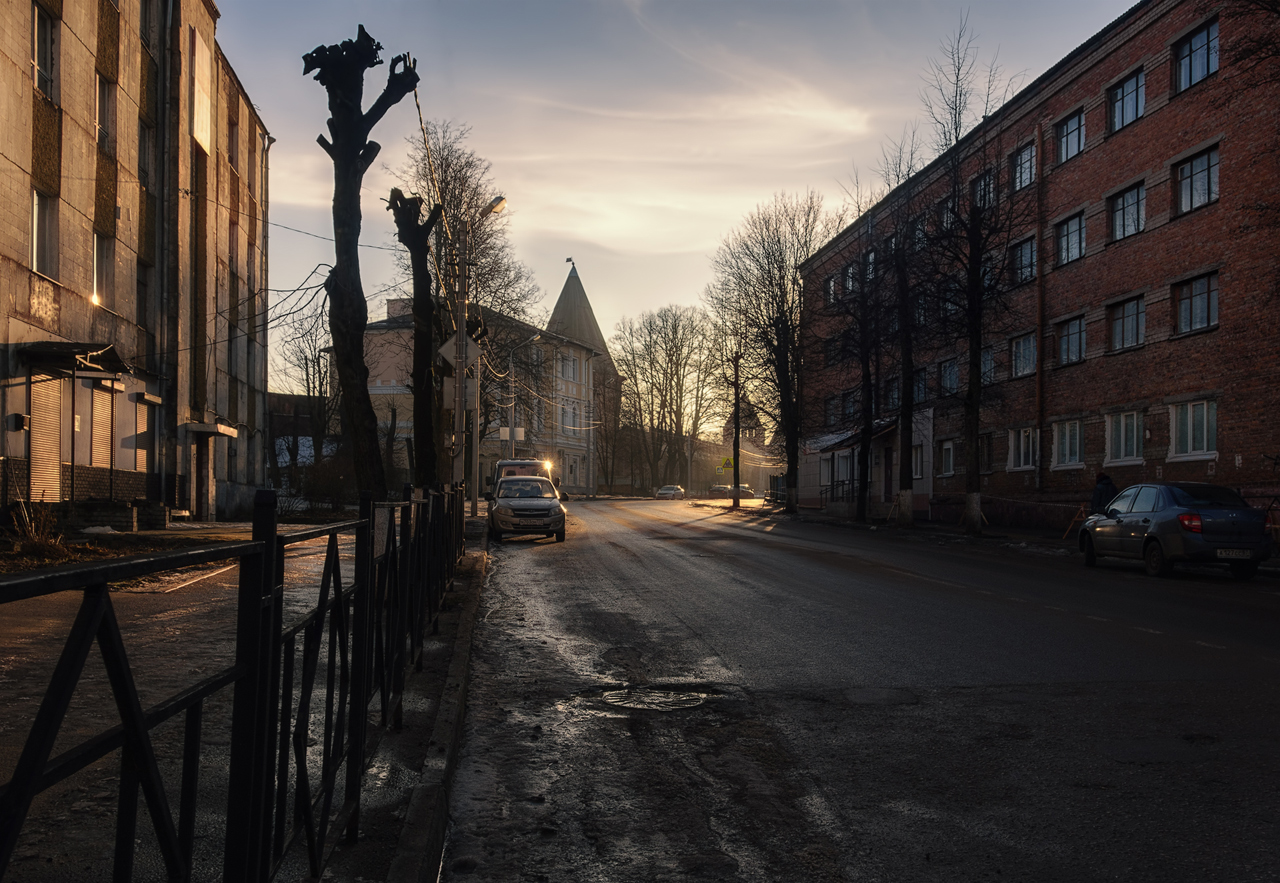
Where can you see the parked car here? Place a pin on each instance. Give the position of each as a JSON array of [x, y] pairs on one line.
[[744, 493], [669, 492], [1169, 522], [525, 504], [720, 491]]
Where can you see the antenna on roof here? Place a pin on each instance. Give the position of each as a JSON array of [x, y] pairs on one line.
[[570, 261]]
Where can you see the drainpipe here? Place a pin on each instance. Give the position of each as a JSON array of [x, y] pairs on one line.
[[163, 344], [1040, 354]]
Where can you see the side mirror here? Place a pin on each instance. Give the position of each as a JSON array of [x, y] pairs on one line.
[[1113, 513]]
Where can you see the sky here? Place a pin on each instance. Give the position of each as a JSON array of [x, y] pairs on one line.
[[630, 135]]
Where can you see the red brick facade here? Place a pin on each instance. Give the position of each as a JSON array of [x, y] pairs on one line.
[[1156, 347]]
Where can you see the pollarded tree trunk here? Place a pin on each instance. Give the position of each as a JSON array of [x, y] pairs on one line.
[[340, 69]]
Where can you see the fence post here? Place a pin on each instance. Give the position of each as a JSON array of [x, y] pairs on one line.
[[361, 648], [249, 780]]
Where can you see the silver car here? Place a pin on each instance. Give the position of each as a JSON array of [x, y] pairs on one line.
[[669, 492], [523, 505], [1170, 522]]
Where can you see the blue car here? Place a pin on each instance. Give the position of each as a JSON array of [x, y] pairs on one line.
[[1169, 522]]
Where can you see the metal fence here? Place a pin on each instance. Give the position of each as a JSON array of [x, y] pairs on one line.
[[311, 698]]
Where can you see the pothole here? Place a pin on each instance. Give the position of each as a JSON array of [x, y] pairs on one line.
[[655, 698]]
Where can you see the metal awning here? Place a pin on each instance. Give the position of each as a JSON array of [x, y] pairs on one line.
[[68, 355], [216, 428]]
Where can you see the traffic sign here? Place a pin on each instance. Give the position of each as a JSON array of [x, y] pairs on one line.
[[719, 470], [470, 351], [727, 464]]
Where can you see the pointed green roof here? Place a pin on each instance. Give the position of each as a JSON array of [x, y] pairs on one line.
[[573, 317]]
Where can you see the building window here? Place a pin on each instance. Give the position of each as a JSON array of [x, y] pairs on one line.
[[832, 352], [1197, 303], [44, 234], [1066, 443], [1022, 167], [1124, 436], [831, 408], [1070, 136], [850, 279], [1071, 239], [832, 293], [103, 269], [984, 190], [1197, 56], [1071, 341], [146, 148], [948, 377], [42, 51], [1128, 101], [146, 19], [988, 367], [1023, 351], [920, 385], [1128, 324], [869, 267], [1195, 428], [1198, 181], [1022, 258], [1129, 212], [892, 393], [917, 461], [947, 458], [106, 115], [849, 404], [1022, 449]]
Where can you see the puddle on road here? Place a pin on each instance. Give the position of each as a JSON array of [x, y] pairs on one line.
[[654, 698]]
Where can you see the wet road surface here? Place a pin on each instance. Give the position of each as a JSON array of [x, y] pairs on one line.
[[848, 705]]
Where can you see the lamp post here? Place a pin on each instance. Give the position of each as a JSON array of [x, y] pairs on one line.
[[511, 376]]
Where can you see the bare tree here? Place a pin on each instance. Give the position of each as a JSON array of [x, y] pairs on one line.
[[756, 296], [302, 349], [341, 69]]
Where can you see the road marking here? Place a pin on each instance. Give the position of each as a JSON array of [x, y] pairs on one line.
[[1149, 631], [1059, 609], [197, 579], [1214, 646], [1099, 618]]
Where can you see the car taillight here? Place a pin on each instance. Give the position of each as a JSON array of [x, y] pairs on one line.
[[1191, 521]]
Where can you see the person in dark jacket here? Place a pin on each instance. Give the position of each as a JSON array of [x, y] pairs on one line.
[[1103, 493]]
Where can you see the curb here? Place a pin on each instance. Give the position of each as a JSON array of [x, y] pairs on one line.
[[420, 850]]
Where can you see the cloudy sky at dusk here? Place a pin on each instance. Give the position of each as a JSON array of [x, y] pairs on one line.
[[630, 134]]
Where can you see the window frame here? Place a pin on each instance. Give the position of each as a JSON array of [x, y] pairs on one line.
[[44, 234], [830, 410], [1184, 299], [830, 295], [1023, 264], [1022, 355], [1184, 56], [987, 361], [920, 385], [1125, 435], [1120, 318], [982, 189], [1185, 176], [1130, 202], [947, 458], [1067, 232], [1067, 132], [103, 271], [44, 52], [917, 462], [1068, 445], [1120, 98], [893, 393], [1208, 426], [104, 115], [1022, 167], [1024, 449], [1072, 341], [948, 377]]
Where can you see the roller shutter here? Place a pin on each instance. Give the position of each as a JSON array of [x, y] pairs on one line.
[[46, 438]]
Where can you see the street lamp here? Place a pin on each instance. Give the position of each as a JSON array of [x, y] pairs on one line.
[[511, 375]]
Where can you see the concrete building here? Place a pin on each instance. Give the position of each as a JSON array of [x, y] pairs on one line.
[[133, 251], [1136, 331]]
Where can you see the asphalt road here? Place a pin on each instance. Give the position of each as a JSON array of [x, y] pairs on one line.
[[820, 703]]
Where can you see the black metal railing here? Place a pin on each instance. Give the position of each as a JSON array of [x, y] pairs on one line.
[[311, 698], [838, 492]]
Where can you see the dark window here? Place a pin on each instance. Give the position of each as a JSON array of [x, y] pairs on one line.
[[1071, 239], [832, 293], [1198, 181], [832, 410], [1071, 341], [42, 52], [1023, 352], [920, 385], [1022, 167], [892, 393], [984, 190], [1197, 56], [1022, 259], [1128, 324], [948, 377], [1071, 136], [988, 366], [1197, 303], [1128, 101], [849, 404], [1129, 212]]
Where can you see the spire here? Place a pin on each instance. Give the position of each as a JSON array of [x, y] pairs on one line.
[[573, 317]]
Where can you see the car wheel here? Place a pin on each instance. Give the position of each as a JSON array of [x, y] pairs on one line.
[[560, 536], [1243, 570], [1090, 554], [1154, 557]]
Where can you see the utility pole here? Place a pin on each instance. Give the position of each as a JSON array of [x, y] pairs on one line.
[[460, 361], [737, 428]]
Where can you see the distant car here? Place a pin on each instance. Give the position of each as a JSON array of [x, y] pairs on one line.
[[523, 505], [669, 492], [1168, 522], [744, 493], [720, 491]]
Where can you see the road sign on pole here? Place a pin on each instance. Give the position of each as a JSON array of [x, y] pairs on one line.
[[727, 464], [470, 351]]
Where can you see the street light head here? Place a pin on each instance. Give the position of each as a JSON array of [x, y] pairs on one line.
[[497, 204]]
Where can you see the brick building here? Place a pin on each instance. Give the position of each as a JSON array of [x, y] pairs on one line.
[[1136, 329], [132, 260]]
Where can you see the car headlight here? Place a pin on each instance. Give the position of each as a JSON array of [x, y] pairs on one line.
[[505, 510]]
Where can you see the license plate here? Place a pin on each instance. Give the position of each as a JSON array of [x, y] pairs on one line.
[[1234, 553], [531, 522]]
